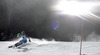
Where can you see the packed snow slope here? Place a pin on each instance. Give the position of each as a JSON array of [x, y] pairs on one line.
[[41, 47]]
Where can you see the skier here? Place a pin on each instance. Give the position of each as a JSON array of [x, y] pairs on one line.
[[22, 41]]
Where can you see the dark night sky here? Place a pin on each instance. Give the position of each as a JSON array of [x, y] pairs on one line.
[[35, 18]]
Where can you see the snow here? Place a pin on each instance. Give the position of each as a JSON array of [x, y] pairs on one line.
[[36, 47]]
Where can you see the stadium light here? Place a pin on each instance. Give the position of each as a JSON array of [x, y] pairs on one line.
[[73, 7]]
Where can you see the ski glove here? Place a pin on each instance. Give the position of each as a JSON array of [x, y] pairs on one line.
[[29, 40]]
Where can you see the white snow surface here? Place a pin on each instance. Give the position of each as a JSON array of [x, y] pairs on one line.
[[43, 47]]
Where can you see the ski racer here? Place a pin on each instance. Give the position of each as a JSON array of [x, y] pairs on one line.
[[22, 41]]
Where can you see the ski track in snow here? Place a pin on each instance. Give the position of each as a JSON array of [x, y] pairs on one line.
[[58, 48]]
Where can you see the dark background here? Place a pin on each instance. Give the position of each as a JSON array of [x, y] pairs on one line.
[[35, 18]]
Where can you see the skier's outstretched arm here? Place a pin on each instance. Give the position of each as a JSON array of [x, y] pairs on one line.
[[28, 38]]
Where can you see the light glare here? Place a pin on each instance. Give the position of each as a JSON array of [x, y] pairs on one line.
[[73, 8]]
